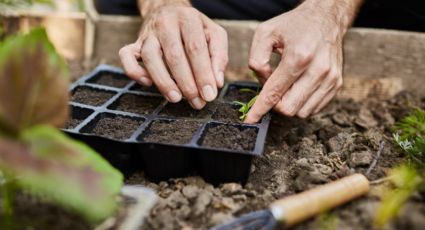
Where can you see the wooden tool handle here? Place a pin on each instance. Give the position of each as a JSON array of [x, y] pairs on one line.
[[296, 208]]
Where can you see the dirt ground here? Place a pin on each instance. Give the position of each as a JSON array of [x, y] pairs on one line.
[[299, 154]]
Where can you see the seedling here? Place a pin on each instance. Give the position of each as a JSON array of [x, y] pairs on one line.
[[245, 107]]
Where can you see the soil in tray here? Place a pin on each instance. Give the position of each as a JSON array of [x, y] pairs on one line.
[[72, 123], [230, 137], [95, 97], [116, 127], [110, 79], [140, 88], [227, 113], [136, 104], [170, 132], [183, 109], [234, 94]]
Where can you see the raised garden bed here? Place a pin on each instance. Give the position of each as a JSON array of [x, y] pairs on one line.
[[139, 130]]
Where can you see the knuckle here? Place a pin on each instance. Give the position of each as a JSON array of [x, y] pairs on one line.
[[174, 56], [272, 98], [302, 56], [255, 64], [122, 51], [323, 70], [195, 46], [334, 76]]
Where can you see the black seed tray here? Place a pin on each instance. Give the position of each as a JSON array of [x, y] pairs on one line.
[[134, 128]]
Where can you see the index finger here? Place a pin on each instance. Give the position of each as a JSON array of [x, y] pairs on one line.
[[287, 72]]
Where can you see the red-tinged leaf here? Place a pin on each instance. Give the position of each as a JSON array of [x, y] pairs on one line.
[[48, 163], [33, 83]]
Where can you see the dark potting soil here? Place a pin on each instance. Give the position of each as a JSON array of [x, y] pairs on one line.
[[170, 132], [137, 104], [31, 213], [141, 88], [230, 137], [91, 96], [183, 109], [117, 127], [299, 154], [72, 123], [234, 94], [227, 113], [108, 79]]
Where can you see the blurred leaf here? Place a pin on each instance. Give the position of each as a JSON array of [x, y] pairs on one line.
[[33, 82], [49, 164], [406, 181]]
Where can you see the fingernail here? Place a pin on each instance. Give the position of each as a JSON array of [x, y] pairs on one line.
[[220, 78], [208, 93], [145, 81], [197, 103], [174, 96]]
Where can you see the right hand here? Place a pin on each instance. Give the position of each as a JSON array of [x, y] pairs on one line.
[[178, 42]]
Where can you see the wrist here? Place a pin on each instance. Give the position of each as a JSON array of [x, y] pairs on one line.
[[147, 7], [340, 12]]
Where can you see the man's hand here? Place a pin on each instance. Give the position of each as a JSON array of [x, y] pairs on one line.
[[309, 39], [178, 42]]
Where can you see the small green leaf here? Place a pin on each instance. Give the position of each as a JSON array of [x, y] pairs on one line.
[[33, 83], [67, 172]]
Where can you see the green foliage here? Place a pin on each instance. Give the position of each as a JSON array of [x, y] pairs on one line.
[[33, 83], [406, 180], [245, 107], [410, 136], [409, 177], [34, 155]]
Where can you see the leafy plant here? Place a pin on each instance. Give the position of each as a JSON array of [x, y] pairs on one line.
[[409, 135], [34, 155], [245, 107]]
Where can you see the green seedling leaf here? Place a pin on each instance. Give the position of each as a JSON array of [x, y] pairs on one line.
[[406, 181], [33, 82], [49, 164], [245, 107]]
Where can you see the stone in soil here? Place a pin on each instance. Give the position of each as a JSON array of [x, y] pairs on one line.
[[136, 104], [170, 132], [89, 96], [234, 94], [117, 127], [360, 159], [184, 110], [227, 113], [230, 137], [110, 79]]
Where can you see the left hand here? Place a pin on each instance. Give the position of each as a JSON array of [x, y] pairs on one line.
[[309, 39]]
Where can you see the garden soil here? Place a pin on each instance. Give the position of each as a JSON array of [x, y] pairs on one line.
[[299, 154]]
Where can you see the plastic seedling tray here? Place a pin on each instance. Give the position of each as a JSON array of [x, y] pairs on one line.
[[135, 128]]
